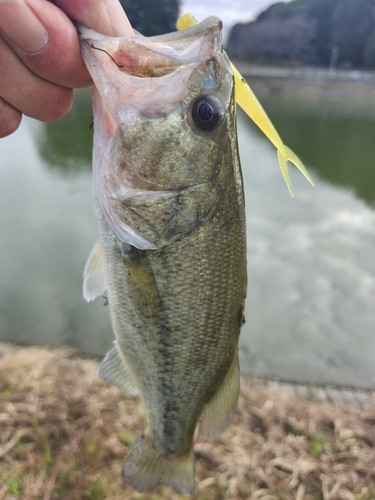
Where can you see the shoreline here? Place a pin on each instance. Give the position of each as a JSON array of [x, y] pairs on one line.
[[65, 435], [309, 82], [349, 395]]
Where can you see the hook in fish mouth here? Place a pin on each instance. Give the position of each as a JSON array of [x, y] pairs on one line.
[[102, 50], [98, 48], [138, 60]]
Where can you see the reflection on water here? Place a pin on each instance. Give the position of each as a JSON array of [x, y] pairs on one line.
[[335, 137], [66, 145], [48, 229], [310, 309]]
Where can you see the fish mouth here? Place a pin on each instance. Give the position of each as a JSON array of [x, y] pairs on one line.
[[152, 75], [152, 56]]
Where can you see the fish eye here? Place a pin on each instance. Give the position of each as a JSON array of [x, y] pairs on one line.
[[206, 113]]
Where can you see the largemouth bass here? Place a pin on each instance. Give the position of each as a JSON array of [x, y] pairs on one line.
[[172, 245]]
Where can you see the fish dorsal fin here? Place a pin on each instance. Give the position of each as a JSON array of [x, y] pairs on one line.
[[218, 412], [114, 371], [245, 98], [93, 275]]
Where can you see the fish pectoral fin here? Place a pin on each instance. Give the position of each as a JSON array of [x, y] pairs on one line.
[[141, 286], [218, 412], [93, 275], [114, 371], [146, 467]]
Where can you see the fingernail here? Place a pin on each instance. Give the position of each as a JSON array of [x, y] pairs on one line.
[[21, 26]]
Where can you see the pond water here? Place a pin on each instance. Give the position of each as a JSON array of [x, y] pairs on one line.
[[311, 261]]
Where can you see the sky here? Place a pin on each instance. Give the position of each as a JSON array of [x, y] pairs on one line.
[[230, 11]]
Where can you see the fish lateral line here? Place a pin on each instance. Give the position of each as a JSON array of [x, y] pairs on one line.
[[247, 100]]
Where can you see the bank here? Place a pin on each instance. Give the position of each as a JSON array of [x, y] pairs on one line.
[[65, 435], [309, 82]]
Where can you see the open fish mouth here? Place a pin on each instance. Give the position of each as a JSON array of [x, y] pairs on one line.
[[136, 70], [153, 56]]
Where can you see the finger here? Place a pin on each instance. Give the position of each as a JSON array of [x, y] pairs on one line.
[[29, 93], [46, 41], [10, 118], [107, 17]]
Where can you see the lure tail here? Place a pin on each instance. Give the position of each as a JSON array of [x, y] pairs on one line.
[[146, 467], [245, 98], [252, 107], [284, 154]]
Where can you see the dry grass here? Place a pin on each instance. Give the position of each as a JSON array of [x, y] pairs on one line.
[[65, 434]]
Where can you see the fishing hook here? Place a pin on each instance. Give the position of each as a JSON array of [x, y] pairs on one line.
[[102, 50]]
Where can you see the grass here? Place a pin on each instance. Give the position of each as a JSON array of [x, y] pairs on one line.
[[12, 484], [317, 445], [65, 434], [97, 491]]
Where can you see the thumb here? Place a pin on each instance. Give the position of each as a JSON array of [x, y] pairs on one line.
[[105, 16]]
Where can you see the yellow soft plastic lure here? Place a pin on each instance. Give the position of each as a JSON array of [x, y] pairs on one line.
[[252, 107]]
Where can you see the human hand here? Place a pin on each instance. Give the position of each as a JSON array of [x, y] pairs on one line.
[[40, 57]]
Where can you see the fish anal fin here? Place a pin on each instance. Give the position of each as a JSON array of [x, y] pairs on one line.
[[146, 467], [93, 275], [218, 412], [114, 371]]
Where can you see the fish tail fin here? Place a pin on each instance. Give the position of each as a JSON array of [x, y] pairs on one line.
[[146, 467]]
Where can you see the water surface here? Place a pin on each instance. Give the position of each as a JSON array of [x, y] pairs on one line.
[[310, 309], [311, 292]]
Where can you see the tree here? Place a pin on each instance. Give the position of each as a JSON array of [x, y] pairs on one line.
[[347, 24], [151, 17], [321, 12], [272, 40], [369, 52], [352, 25], [283, 10]]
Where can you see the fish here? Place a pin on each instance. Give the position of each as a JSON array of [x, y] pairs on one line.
[[171, 252]]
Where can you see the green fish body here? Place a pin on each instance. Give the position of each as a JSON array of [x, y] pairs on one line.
[[172, 242]]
